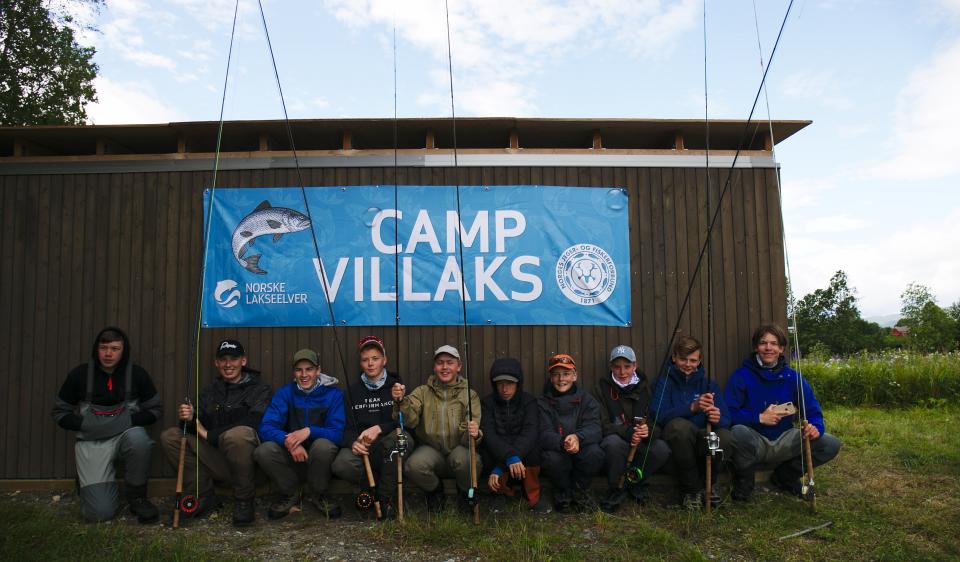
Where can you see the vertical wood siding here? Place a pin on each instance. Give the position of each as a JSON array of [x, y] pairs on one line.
[[78, 252]]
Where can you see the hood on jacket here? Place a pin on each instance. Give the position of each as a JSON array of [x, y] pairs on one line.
[[509, 367], [124, 357]]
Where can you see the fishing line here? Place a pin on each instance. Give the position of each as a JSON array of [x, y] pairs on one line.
[[716, 215], [786, 255], [206, 238], [396, 202], [306, 204]]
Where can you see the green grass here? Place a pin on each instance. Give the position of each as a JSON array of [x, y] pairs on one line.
[[893, 378], [892, 494]]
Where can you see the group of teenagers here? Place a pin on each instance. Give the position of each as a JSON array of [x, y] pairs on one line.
[[627, 429]]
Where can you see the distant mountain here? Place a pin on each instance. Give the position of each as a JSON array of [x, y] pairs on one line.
[[886, 320]]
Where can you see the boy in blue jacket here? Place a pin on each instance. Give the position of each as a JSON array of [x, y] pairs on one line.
[[300, 431], [685, 401], [765, 436]]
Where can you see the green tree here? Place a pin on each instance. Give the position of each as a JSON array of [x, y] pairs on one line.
[[830, 317], [46, 78], [954, 311], [931, 327]]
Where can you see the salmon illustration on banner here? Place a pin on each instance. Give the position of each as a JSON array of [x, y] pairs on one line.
[[264, 220]]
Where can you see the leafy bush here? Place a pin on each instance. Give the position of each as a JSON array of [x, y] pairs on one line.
[[890, 378]]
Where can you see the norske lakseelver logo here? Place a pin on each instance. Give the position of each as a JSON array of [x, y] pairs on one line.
[[226, 293], [586, 274]]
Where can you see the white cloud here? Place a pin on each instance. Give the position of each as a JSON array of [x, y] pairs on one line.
[[126, 102], [821, 87], [881, 267], [925, 142], [497, 44], [146, 58], [805, 192], [834, 223]]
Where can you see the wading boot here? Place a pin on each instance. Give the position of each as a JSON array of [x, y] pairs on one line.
[[436, 500], [140, 506], [787, 479], [283, 506], [743, 483], [243, 512]]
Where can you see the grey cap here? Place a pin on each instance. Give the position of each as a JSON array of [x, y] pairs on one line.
[[624, 351], [448, 349], [308, 354]]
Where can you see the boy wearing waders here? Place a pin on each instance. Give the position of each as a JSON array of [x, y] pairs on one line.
[[371, 430], [438, 412], [624, 395], [764, 433], [511, 429], [569, 435], [686, 401], [222, 435], [300, 431], [108, 402]]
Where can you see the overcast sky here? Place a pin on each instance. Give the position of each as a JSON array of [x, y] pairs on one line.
[[871, 187]]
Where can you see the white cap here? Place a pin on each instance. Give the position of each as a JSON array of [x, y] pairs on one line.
[[448, 349], [624, 351]]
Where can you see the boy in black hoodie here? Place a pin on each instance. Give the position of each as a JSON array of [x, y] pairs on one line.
[[371, 430], [108, 402], [222, 434], [510, 421]]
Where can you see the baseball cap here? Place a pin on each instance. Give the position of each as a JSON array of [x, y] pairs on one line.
[[230, 347], [624, 351], [308, 354], [367, 341], [448, 349], [561, 360], [505, 369]]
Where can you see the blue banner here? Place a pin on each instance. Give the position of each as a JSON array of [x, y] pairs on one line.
[[530, 255]]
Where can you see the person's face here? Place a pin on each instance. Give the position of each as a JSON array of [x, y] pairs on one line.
[[446, 367], [688, 364], [622, 369], [506, 390], [563, 378], [230, 367], [372, 362], [305, 373], [109, 354], [769, 349]]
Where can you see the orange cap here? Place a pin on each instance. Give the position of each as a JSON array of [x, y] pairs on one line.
[[561, 360]]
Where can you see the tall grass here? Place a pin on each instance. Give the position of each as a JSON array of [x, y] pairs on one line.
[[892, 378]]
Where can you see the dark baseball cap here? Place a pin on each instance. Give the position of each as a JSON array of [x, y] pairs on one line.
[[230, 347]]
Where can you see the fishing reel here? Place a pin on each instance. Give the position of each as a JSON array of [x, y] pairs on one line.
[[189, 504], [471, 497], [807, 491], [713, 443], [364, 500], [634, 474], [401, 446]]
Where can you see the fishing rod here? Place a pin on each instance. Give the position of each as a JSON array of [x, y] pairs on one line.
[[188, 503], [806, 450], [400, 451], [472, 497]]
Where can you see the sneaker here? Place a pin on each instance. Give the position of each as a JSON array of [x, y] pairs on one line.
[[584, 500], [693, 501], [786, 481], [562, 500], [243, 512], [283, 506], [612, 502], [328, 508], [145, 511], [436, 500], [541, 507], [499, 503]]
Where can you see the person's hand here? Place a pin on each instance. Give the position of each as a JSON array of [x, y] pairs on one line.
[[473, 428], [494, 482], [201, 431], [185, 412], [571, 444], [769, 416], [295, 438], [705, 401], [397, 391], [811, 431], [370, 434], [299, 454], [713, 414], [360, 448], [517, 471], [640, 432]]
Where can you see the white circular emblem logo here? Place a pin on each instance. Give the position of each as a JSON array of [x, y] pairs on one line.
[[586, 274], [223, 294]]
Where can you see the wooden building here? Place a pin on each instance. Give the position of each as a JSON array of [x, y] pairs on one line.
[[101, 225]]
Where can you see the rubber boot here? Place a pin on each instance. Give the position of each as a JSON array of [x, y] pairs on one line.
[[140, 506]]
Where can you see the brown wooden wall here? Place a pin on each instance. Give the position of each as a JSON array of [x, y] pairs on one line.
[[78, 252]]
